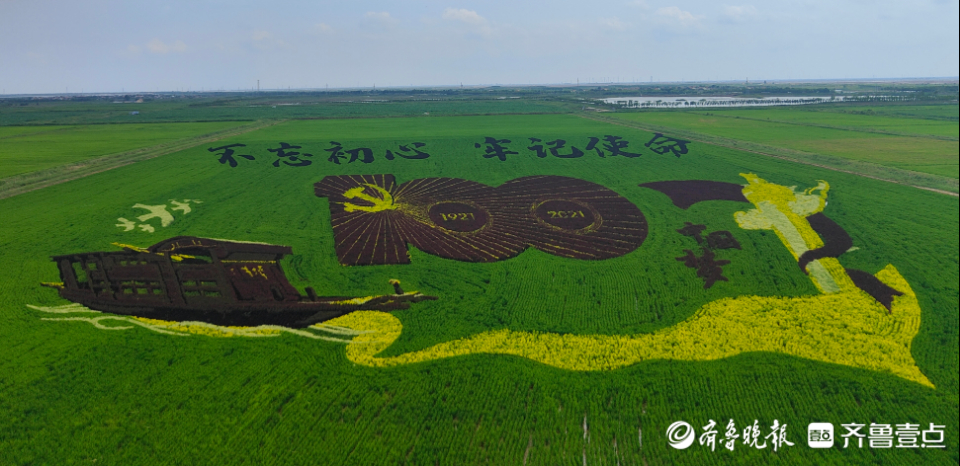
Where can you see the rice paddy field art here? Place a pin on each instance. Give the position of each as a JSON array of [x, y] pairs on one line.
[[514, 289]]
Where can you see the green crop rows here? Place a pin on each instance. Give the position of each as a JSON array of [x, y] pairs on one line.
[[25, 149], [834, 134], [245, 109], [71, 393], [827, 117]]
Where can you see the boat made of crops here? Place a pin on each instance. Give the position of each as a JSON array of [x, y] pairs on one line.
[[216, 281]]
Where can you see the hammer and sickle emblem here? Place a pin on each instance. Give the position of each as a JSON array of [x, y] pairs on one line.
[[379, 204]]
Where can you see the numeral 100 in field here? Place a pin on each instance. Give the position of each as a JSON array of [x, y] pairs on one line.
[[374, 219]]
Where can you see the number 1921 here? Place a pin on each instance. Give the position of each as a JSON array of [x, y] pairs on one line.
[[457, 216]]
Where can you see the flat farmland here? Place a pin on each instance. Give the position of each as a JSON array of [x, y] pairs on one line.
[[930, 112], [903, 121], [921, 154], [123, 393], [14, 131], [281, 106], [25, 149]]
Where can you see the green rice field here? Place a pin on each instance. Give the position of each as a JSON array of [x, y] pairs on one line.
[[895, 123], [121, 393], [828, 133], [25, 149], [263, 107], [929, 112]]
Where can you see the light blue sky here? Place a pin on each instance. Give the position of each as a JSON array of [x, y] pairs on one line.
[[108, 45]]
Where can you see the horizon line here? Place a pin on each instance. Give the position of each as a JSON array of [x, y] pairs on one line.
[[203, 90]]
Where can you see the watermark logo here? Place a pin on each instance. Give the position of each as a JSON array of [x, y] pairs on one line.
[[893, 435], [820, 435], [680, 435]]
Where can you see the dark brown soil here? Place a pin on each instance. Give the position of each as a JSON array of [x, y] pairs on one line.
[[465, 220], [687, 193], [873, 287], [836, 241]]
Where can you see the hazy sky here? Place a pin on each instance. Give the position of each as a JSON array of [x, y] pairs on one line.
[[109, 45]]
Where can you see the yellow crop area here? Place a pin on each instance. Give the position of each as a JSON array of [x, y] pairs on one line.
[[848, 328]]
